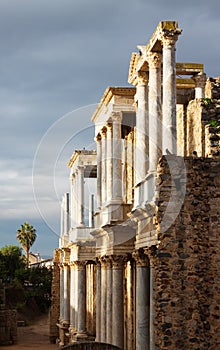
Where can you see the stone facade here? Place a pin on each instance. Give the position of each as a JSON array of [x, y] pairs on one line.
[[142, 272]]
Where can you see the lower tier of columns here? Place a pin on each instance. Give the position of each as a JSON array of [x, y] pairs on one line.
[[109, 301]]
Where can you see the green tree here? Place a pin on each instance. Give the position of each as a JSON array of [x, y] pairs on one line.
[[26, 236], [11, 260]]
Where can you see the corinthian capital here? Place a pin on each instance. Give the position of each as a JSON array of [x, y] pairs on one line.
[[142, 78], [154, 59]]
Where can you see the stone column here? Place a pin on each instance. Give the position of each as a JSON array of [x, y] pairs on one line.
[[91, 210], [81, 277], [142, 131], [99, 171], [152, 308], [73, 200], [81, 195], [66, 295], [200, 81], [155, 126], [118, 302], [169, 93], [66, 213], [72, 299], [142, 303], [109, 162], [103, 299], [98, 301], [61, 292], [103, 163], [109, 302], [117, 157]]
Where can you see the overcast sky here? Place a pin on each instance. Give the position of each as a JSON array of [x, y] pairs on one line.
[[57, 57]]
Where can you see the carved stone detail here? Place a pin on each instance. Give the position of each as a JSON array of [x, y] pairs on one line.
[[142, 78], [80, 264], [140, 258], [154, 59]]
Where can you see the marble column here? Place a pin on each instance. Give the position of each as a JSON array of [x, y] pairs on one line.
[[169, 94], [200, 81], [81, 277], [142, 303], [66, 294], [103, 163], [109, 161], [98, 301], [109, 302], [155, 123], [61, 292], [117, 157], [103, 299], [142, 127], [152, 308], [118, 302], [99, 171], [66, 213], [91, 210], [81, 195], [73, 200], [72, 298]]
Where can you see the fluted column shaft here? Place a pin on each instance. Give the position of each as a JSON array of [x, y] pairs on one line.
[[117, 302], [73, 200], [81, 276], [142, 127], [109, 162], [109, 302], [103, 300], [155, 129], [72, 297], [103, 163], [66, 295], [81, 195], [142, 304], [99, 171], [169, 94], [98, 302], [61, 292], [117, 157]]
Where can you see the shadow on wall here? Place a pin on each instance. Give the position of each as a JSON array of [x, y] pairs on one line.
[[90, 346]]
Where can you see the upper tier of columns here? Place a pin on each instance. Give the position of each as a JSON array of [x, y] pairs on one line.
[[153, 71], [109, 161]]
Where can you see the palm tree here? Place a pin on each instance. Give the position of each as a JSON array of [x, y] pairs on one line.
[[26, 236]]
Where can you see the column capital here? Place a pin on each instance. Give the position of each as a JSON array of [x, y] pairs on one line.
[[98, 137], [80, 264], [116, 117], [154, 59], [118, 261], [103, 132], [106, 262], [142, 78], [200, 79], [140, 258], [169, 39]]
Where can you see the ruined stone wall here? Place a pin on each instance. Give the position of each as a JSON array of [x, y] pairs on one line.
[[203, 122], [8, 326], [55, 304], [187, 258]]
